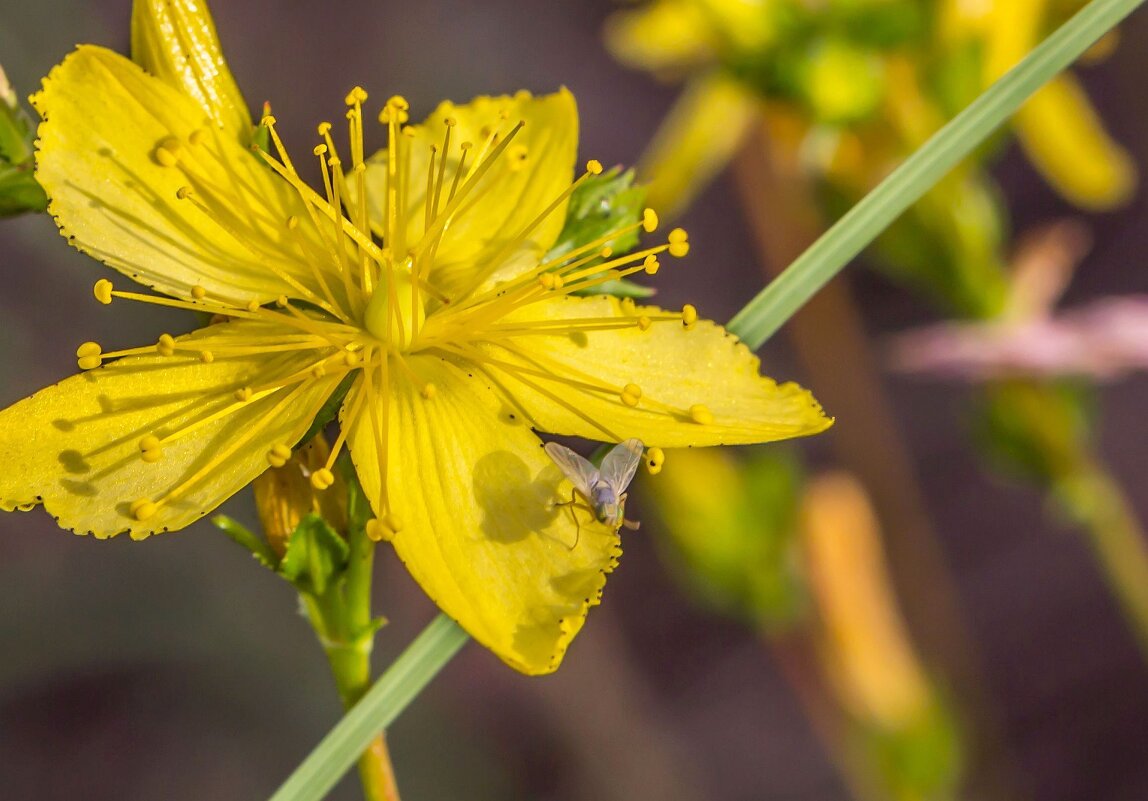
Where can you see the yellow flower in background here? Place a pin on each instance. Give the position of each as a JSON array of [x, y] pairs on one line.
[[415, 279], [745, 58]]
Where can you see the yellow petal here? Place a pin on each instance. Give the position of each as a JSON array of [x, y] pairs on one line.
[[76, 447], [694, 142], [99, 158], [473, 495], [533, 172], [1061, 133], [175, 40], [662, 36], [1065, 139], [697, 387]]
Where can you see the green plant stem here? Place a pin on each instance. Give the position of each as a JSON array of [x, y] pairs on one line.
[[774, 305], [342, 620], [1094, 498], [376, 710]]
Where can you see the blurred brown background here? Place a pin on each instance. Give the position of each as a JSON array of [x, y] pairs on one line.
[[178, 668]]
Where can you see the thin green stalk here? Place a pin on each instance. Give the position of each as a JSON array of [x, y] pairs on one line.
[[774, 305], [376, 710]]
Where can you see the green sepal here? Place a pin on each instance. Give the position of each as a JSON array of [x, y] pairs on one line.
[[316, 556], [358, 507], [600, 206], [247, 539], [329, 409]]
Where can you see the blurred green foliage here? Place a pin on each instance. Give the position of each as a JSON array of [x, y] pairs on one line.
[[19, 191]]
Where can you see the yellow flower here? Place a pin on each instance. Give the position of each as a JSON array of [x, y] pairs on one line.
[[721, 48], [416, 276]]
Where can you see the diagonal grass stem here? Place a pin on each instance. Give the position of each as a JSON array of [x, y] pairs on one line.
[[389, 696], [774, 305]]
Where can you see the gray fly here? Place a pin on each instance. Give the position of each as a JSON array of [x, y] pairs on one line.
[[603, 489]]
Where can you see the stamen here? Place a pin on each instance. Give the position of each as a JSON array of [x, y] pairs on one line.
[[679, 243], [631, 394], [655, 458], [89, 356], [143, 509], [701, 414], [103, 291], [151, 449], [322, 478], [279, 455], [649, 221], [166, 345], [689, 316]]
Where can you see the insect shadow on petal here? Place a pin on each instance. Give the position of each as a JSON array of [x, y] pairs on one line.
[[599, 490]]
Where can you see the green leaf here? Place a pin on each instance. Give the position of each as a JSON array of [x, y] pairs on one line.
[[769, 310], [243, 536], [602, 205], [316, 556]]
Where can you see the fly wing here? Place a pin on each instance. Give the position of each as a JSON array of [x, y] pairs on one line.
[[620, 464], [581, 472]]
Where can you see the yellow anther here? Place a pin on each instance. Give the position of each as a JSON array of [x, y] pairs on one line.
[[352, 358], [243, 394], [651, 265], [268, 120], [450, 122], [292, 223], [319, 370], [322, 478], [197, 136], [103, 291], [281, 301], [429, 391], [323, 128], [207, 357], [166, 345], [356, 95], [649, 221], [701, 414], [631, 394], [143, 508], [644, 323], [334, 162], [689, 316], [378, 531], [546, 280], [559, 281], [655, 458], [89, 356], [278, 455], [594, 167], [679, 243], [319, 150], [167, 152], [466, 146], [253, 305], [151, 449], [183, 193]]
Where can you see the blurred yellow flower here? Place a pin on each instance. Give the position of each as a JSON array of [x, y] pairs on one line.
[[742, 57], [415, 280]]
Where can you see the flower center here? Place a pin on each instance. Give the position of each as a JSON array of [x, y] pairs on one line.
[[395, 312]]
